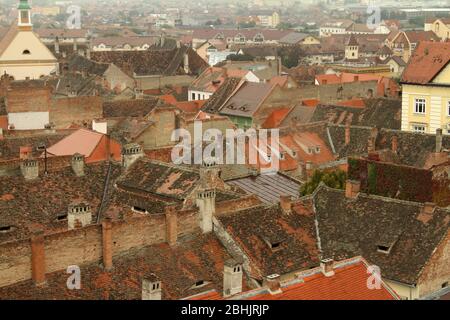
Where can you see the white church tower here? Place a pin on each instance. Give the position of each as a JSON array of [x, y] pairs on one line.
[[22, 53]]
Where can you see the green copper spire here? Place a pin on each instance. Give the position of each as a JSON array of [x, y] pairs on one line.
[[24, 5]]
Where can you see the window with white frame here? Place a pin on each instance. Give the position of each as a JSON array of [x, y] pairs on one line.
[[419, 127], [419, 106]]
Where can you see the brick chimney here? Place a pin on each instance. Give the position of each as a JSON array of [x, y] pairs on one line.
[[273, 284], [286, 204], [151, 288], [107, 244], [232, 277], [77, 163], [347, 133], [394, 142], [29, 169], [25, 152], [438, 140], [327, 266], [130, 153], [352, 188], [206, 202], [38, 257], [79, 215], [171, 225]]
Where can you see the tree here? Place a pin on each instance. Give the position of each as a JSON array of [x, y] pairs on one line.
[[335, 179]]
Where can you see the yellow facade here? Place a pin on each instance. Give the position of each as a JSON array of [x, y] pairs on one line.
[[441, 29], [437, 105]]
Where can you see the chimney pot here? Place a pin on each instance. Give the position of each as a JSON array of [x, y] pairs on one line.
[[130, 153], [79, 215], [286, 204], [273, 284], [327, 266], [206, 202], [151, 288], [352, 189], [232, 278], [77, 163], [29, 169]]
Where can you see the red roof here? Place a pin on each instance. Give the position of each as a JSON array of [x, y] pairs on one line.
[[354, 103], [276, 117], [426, 63], [310, 102], [348, 283]]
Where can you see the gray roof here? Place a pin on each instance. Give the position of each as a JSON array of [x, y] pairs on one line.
[[246, 100], [268, 187], [293, 38]]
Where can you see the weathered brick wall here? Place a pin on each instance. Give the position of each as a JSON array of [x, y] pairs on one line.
[[84, 245], [233, 205], [138, 232], [74, 247], [437, 271], [15, 262], [78, 110], [28, 99], [188, 222]]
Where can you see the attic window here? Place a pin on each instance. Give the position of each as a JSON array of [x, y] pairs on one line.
[[138, 209], [5, 229], [383, 249], [61, 217], [199, 283], [26, 51], [444, 285]]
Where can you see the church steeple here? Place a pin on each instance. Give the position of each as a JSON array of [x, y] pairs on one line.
[[24, 10]]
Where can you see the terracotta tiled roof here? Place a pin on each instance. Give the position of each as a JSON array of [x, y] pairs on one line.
[[276, 117], [39, 202], [428, 60], [349, 282], [275, 242]]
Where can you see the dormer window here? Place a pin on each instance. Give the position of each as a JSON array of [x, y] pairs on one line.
[[138, 209], [383, 249], [6, 229], [199, 284], [26, 51], [61, 217]]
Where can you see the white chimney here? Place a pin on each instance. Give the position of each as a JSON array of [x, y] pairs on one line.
[[232, 278], [151, 288]]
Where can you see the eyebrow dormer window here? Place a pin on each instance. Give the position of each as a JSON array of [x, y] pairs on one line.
[[26, 51]]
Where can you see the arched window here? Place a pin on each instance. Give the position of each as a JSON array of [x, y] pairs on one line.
[[26, 51]]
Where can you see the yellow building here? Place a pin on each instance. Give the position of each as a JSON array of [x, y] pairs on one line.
[[22, 53], [426, 89], [441, 27]]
